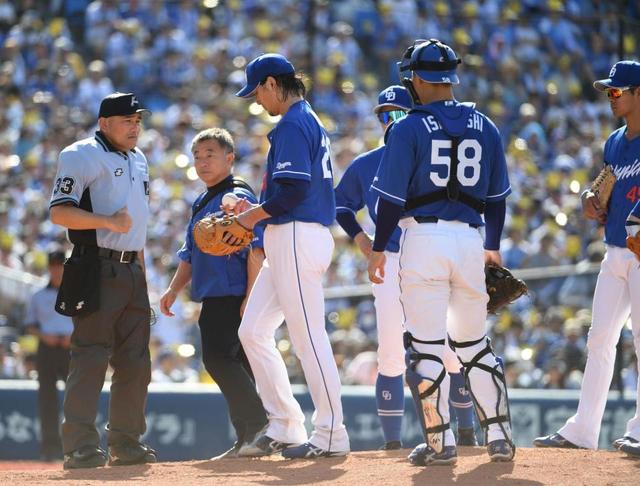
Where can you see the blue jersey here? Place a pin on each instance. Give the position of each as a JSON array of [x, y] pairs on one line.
[[624, 157], [417, 158], [217, 276], [353, 192], [300, 150]]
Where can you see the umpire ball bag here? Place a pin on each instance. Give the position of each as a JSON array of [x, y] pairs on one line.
[[79, 291]]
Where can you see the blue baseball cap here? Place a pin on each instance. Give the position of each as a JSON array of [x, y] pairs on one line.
[[260, 68], [622, 74], [435, 62], [394, 97]]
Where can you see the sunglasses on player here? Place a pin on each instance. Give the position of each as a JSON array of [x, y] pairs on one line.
[[387, 116], [615, 93]]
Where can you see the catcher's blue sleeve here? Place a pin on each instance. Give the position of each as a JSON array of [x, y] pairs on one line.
[[494, 220]]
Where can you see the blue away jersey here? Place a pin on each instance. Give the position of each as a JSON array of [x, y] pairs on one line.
[[300, 149], [217, 276], [353, 192], [624, 157], [417, 158]]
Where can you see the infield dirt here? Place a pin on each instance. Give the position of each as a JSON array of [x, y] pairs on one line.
[[558, 467]]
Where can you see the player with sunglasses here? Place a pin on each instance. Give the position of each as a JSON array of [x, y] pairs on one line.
[[618, 285]]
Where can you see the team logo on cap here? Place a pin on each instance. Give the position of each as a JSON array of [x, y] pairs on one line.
[[390, 95], [134, 101], [612, 73]]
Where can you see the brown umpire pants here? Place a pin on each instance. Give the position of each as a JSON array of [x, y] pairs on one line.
[[117, 334]]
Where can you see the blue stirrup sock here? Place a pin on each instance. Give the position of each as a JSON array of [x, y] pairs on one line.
[[390, 402], [460, 401]]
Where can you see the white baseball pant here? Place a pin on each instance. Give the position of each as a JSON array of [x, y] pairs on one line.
[[390, 320], [443, 290], [616, 296], [289, 287]]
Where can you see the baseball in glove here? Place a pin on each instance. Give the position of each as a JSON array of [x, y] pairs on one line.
[[221, 236], [502, 287], [602, 186]]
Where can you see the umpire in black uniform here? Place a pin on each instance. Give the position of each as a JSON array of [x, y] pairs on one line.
[[101, 195], [52, 361]]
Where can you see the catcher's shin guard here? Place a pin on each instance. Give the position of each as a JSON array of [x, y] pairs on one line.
[[483, 359], [426, 393]]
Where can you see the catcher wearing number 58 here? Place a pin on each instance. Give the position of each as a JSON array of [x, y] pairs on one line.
[[618, 285]]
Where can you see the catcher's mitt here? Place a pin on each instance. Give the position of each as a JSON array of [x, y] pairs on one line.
[[502, 287], [221, 236], [602, 187]]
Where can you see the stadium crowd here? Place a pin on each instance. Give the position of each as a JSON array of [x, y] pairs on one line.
[[531, 63]]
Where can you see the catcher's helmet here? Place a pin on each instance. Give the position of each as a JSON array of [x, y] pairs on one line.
[[435, 62], [404, 69], [403, 65]]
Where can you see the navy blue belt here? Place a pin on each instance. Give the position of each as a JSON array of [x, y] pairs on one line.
[[119, 256], [434, 219]]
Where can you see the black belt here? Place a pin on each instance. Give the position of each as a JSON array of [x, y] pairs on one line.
[[434, 219], [119, 256]]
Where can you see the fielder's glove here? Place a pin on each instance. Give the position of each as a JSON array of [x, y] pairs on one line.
[[221, 236], [502, 287], [633, 235], [602, 186]]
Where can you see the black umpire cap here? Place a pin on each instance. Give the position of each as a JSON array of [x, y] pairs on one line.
[[121, 104]]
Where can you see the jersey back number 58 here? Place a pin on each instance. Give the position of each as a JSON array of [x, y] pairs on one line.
[[469, 156]]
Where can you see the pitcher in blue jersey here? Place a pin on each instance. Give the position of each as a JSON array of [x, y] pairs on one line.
[[352, 194], [618, 288], [442, 168], [297, 205]]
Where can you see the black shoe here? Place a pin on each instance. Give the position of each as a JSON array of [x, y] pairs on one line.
[[554, 440], [631, 448], [500, 451], [422, 455], [466, 437], [87, 456], [231, 453], [618, 442], [392, 445], [262, 445], [130, 452]]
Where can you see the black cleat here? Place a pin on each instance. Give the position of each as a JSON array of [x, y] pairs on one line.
[[500, 451], [231, 453], [422, 455], [128, 453], [85, 457], [632, 449], [262, 445], [392, 445], [618, 442], [554, 440]]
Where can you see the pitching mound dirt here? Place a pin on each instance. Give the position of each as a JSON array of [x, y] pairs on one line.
[[532, 467]]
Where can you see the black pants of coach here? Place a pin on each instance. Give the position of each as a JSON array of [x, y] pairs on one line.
[[227, 364], [116, 334], [52, 363]]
